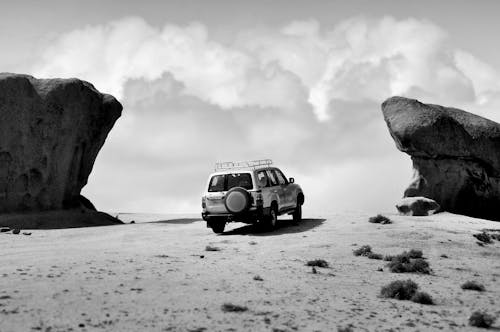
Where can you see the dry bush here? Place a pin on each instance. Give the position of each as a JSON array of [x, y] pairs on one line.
[[422, 298], [400, 290], [362, 251], [380, 219], [483, 237], [373, 255], [473, 285], [417, 265], [408, 262], [494, 234], [413, 253], [367, 252], [318, 263], [481, 319]]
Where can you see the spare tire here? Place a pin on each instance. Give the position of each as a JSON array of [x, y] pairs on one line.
[[237, 200]]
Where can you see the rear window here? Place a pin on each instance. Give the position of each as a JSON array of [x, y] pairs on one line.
[[225, 182], [216, 183]]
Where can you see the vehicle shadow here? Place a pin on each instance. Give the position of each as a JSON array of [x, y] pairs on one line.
[[282, 227], [176, 221]]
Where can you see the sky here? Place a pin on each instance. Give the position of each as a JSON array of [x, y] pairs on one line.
[[300, 82]]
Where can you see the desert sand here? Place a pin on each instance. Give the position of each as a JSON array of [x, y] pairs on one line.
[[158, 276]]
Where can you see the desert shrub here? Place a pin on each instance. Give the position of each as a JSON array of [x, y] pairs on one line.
[[408, 262], [402, 264], [318, 263], [373, 255], [399, 289], [493, 234], [345, 328], [229, 307], [472, 285], [422, 298], [212, 248], [362, 251], [380, 219], [481, 319], [414, 253], [483, 237]]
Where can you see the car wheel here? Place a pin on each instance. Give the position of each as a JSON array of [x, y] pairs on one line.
[[217, 226], [297, 214], [272, 219]]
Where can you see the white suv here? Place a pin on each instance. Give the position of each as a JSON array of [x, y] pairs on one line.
[[249, 192]]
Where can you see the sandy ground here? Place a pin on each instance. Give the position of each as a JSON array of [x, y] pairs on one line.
[[158, 276]]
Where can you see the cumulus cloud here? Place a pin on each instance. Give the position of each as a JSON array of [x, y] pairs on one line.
[[358, 59], [161, 151], [366, 59], [110, 55], [303, 95]]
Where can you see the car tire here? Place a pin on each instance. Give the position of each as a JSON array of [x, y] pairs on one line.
[[272, 219], [217, 226], [297, 214]]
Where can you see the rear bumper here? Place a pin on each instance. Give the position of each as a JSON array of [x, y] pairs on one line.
[[250, 216]]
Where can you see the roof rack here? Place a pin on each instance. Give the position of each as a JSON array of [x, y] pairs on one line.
[[227, 165]]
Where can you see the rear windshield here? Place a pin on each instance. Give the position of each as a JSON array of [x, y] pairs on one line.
[[224, 182]]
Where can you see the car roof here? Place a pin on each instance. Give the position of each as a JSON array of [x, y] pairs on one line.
[[242, 170]]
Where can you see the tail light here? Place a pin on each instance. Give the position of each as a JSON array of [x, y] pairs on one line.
[[257, 197], [203, 202]]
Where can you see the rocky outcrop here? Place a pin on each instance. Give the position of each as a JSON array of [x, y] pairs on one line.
[[51, 131], [417, 206], [455, 154]]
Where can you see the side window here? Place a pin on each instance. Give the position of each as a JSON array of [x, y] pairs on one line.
[[262, 179], [272, 178], [280, 176], [216, 183]]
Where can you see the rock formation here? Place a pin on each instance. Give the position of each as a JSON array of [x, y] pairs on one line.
[[417, 206], [51, 131], [455, 154]]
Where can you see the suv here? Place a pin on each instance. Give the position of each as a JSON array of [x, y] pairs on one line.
[[249, 192]]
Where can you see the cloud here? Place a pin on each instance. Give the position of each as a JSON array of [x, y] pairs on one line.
[[110, 55], [365, 59], [357, 59], [161, 151], [306, 96]]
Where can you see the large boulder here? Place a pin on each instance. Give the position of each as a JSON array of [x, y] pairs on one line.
[[455, 154], [51, 131], [417, 206]]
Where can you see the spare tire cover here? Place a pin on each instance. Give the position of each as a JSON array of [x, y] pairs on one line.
[[237, 200]]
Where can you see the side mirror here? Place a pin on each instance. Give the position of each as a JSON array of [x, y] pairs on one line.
[[291, 180]]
